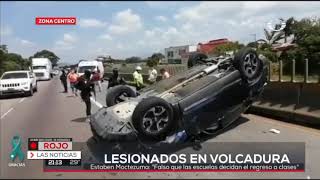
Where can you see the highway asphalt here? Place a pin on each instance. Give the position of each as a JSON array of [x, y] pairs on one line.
[[51, 113]]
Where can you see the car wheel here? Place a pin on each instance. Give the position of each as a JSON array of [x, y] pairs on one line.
[[153, 118], [249, 65], [36, 88], [119, 94], [31, 91], [196, 58]]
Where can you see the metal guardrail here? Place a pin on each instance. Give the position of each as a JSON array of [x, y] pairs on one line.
[[293, 73], [173, 69]]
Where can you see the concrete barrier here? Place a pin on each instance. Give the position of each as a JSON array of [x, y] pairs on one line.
[[298, 102]]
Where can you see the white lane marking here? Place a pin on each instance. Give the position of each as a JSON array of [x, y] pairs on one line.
[[96, 103], [21, 100], [6, 113]]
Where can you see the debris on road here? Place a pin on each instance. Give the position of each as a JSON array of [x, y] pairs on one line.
[[275, 131]]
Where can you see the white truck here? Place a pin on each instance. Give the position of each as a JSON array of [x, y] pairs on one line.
[[91, 66], [42, 67], [18, 82]]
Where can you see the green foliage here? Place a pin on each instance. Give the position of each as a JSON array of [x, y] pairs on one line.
[[154, 59], [223, 49], [307, 37], [4, 48], [11, 61], [133, 59], [47, 54], [306, 33], [252, 44]]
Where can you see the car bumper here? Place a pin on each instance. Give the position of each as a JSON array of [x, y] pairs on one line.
[[12, 92], [105, 126]]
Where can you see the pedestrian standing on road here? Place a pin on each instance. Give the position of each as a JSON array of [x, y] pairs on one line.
[[86, 86], [115, 79], [164, 73], [96, 76], [63, 79], [73, 77], [152, 75], [137, 78]]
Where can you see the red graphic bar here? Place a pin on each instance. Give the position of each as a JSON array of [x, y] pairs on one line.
[[169, 170], [56, 20]]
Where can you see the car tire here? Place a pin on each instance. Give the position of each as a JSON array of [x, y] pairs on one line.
[[30, 93], [149, 111], [250, 66], [36, 88], [195, 59], [115, 93]]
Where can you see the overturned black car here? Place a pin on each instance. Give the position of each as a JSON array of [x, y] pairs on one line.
[[207, 97]]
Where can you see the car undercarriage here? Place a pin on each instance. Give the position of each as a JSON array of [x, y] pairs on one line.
[[207, 97]]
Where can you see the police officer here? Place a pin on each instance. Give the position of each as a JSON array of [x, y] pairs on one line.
[[137, 78]]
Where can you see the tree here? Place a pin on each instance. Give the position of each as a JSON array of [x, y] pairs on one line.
[[266, 50], [4, 48], [11, 61], [157, 56], [306, 34], [288, 28], [307, 37], [18, 60], [272, 37], [223, 49], [3, 58], [47, 54], [133, 59], [154, 60]]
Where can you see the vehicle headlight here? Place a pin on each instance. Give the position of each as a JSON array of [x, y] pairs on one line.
[[24, 83]]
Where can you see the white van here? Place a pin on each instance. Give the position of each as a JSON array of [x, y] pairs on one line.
[[42, 68], [91, 66]]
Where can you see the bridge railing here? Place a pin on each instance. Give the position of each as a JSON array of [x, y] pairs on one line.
[[293, 77], [292, 97]]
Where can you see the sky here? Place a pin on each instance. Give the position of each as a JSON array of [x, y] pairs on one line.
[[129, 28]]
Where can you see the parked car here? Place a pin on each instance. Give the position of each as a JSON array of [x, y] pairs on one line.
[[205, 98], [18, 82]]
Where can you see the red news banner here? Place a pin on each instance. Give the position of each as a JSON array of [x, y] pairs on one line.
[[56, 20]]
